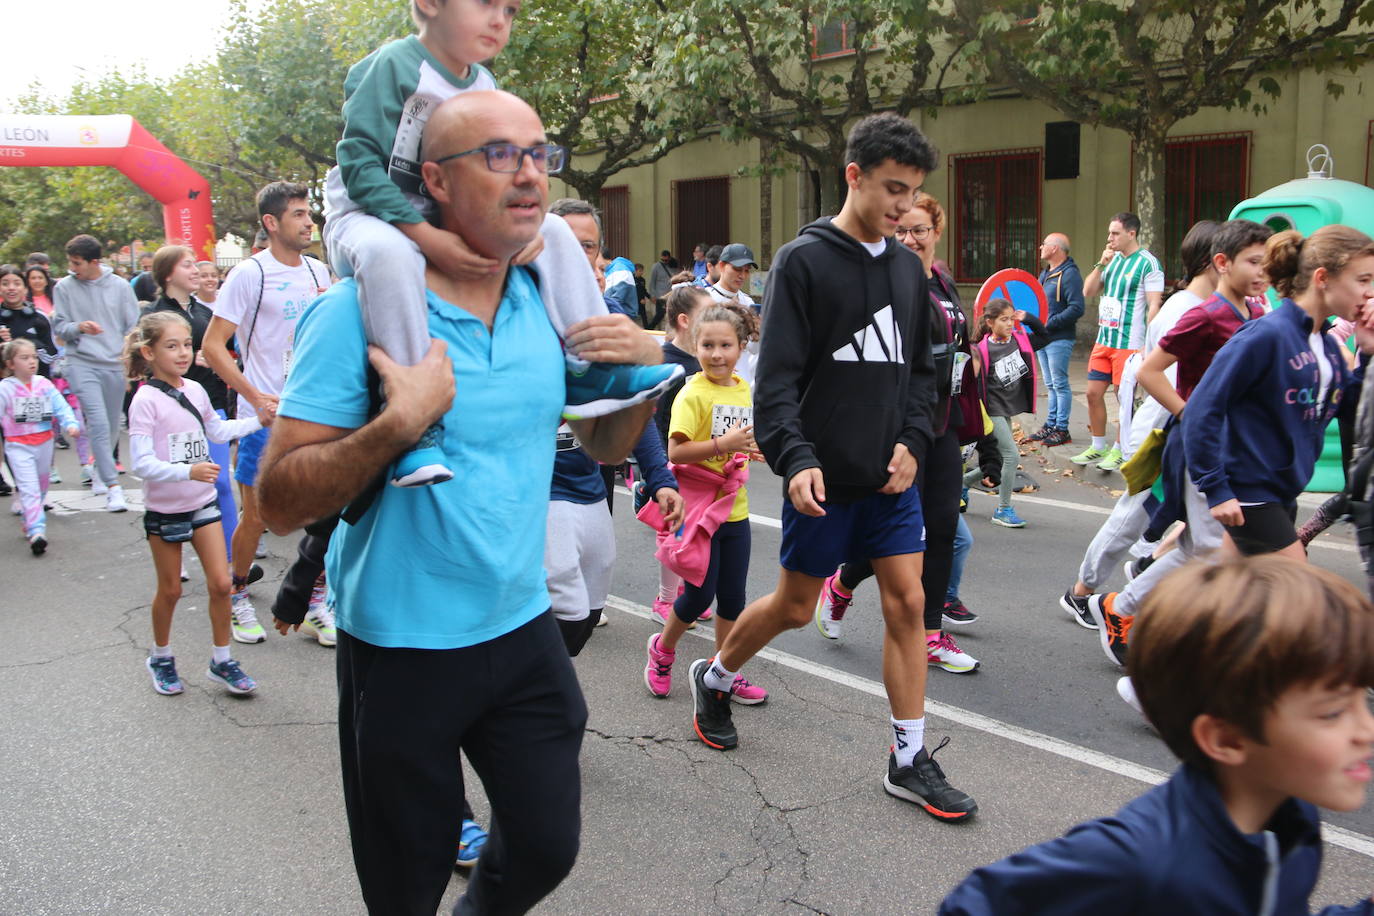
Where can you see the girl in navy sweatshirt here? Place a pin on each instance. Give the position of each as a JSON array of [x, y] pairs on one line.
[[1254, 427]]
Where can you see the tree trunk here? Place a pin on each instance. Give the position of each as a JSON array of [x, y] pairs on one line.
[[587, 186], [833, 189], [765, 207], [1149, 184]]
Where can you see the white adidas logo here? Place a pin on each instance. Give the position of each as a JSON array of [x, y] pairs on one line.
[[880, 342]]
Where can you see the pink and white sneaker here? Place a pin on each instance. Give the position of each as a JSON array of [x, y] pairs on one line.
[[658, 673], [664, 609], [747, 694], [831, 607]]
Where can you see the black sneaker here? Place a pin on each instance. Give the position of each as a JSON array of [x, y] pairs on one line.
[[1135, 566], [955, 614], [1040, 433], [1113, 628], [923, 783], [254, 573], [1077, 608], [5, 489], [711, 711], [1058, 436]]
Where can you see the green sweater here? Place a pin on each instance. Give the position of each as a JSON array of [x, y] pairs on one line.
[[388, 97]]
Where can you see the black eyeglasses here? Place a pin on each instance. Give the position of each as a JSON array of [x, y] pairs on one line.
[[507, 157], [919, 232]]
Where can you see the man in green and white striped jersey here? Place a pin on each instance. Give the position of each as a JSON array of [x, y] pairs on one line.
[[1131, 284]]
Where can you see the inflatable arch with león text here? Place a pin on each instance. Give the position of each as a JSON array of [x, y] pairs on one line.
[[120, 142]]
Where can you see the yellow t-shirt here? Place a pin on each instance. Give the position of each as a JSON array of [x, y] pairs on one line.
[[704, 409]]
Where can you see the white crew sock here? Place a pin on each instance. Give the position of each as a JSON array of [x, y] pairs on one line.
[[717, 678], [908, 737], [220, 654], [1100, 443], [162, 651]]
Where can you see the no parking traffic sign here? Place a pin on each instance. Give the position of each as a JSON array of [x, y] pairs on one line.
[[1018, 287]]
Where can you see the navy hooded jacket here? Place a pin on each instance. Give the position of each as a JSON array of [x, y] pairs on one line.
[[1174, 850], [1253, 428]]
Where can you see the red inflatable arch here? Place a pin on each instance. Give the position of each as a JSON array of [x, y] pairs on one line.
[[121, 142]]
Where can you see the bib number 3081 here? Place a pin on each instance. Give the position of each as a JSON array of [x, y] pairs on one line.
[[187, 448]]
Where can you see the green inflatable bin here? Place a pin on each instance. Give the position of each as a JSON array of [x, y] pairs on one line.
[[1306, 205]]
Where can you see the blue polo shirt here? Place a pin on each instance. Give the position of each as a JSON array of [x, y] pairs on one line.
[[461, 562]]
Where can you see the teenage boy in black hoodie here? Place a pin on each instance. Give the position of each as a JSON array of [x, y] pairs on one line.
[[842, 412]]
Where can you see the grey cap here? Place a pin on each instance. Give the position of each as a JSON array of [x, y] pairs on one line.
[[737, 255]]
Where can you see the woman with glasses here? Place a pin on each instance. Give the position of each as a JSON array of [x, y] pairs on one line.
[[939, 472]]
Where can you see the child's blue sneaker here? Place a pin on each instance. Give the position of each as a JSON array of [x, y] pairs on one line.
[[231, 676], [470, 843], [424, 464], [1006, 517], [164, 672], [598, 389]]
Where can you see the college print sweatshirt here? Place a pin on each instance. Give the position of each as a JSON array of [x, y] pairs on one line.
[[1254, 426], [845, 369]]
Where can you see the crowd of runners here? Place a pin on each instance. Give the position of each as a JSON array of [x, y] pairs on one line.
[[467, 338]]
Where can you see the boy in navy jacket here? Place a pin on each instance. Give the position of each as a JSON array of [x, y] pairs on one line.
[[1254, 672]]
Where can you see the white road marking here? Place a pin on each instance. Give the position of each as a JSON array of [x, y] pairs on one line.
[[1336, 836], [70, 502], [1321, 542]]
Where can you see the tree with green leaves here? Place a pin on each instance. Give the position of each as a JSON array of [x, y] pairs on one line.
[[587, 68], [767, 70], [1141, 66]]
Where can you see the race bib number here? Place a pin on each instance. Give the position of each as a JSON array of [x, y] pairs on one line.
[[1109, 312], [728, 417], [957, 372], [286, 357], [567, 440], [1009, 370], [32, 409], [187, 448]]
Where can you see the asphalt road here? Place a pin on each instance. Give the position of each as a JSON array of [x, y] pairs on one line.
[[114, 799]]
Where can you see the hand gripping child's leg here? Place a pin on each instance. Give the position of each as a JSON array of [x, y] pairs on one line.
[[390, 273], [570, 294]]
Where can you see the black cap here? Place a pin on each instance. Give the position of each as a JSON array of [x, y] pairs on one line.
[[737, 255]]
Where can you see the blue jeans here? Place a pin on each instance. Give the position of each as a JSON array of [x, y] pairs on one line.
[[963, 543], [1054, 365]]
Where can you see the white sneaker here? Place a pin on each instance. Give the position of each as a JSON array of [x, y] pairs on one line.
[[944, 652], [114, 500], [319, 618], [15, 507], [86, 474], [1126, 690], [98, 487], [245, 623], [54, 475], [261, 550]]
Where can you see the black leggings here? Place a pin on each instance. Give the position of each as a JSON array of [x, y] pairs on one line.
[[939, 478], [726, 578], [514, 708]]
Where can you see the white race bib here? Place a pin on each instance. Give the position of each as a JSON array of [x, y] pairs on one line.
[[727, 417], [187, 448], [957, 372], [32, 409], [1109, 312], [1009, 369]]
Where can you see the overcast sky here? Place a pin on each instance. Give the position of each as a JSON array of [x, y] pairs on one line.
[[98, 37]]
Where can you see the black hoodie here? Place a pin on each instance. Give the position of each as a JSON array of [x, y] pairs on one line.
[[845, 369]]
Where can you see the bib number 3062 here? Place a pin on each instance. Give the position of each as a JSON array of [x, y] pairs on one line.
[[187, 448]]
